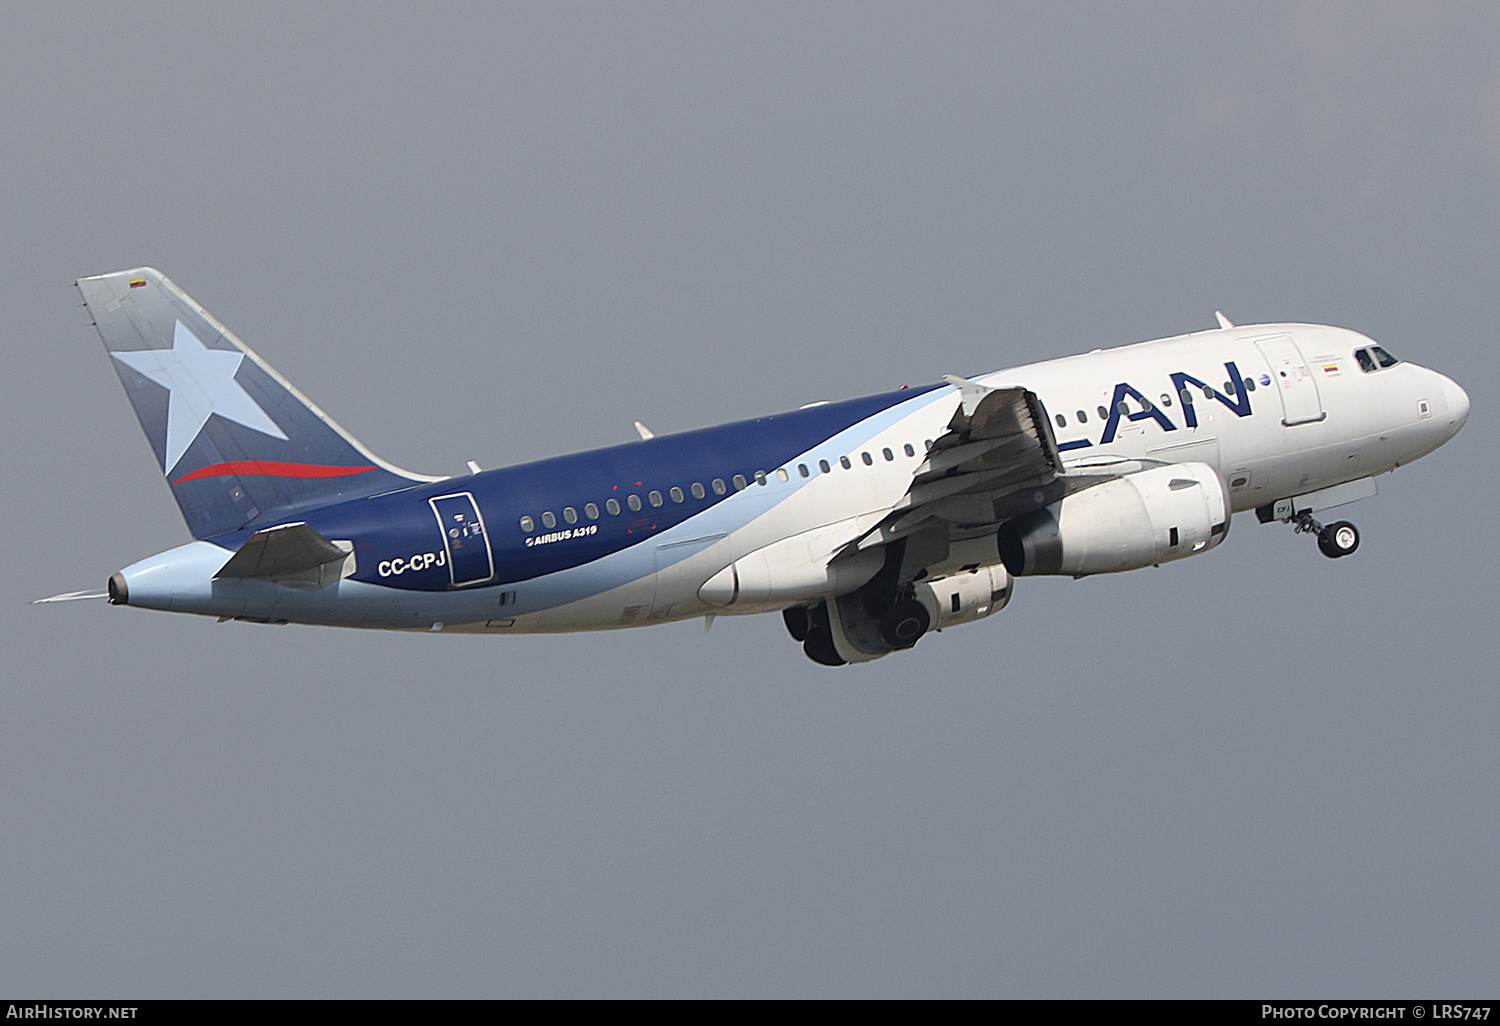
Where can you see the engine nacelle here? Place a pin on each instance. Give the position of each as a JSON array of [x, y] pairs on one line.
[[1153, 516], [846, 630], [965, 596]]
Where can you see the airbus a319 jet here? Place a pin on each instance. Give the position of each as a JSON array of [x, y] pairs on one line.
[[866, 523]]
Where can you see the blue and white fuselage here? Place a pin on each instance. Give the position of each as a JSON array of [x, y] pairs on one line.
[[878, 497]]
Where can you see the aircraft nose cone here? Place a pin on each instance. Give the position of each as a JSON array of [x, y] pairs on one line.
[[1458, 404]]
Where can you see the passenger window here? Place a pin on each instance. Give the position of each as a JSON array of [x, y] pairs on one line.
[[570, 514], [591, 511], [1229, 388], [1249, 384], [889, 456], [909, 450], [844, 462], [528, 525], [740, 484], [760, 477], [802, 469], [1123, 407], [719, 486], [782, 474], [1208, 393], [698, 491], [1061, 420], [1166, 399], [1187, 397], [823, 466], [1103, 413], [1385, 358], [869, 462], [634, 502], [613, 505], [655, 497], [676, 494], [548, 520], [1083, 418]]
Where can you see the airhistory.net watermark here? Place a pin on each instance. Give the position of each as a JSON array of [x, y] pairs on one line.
[[70, 1011]]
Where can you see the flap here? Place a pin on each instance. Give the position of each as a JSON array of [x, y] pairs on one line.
[[998, 444]]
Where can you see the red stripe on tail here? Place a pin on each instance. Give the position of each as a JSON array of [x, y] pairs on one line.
[[270, 468]]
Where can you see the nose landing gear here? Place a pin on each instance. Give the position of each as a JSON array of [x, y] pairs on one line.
[[1335, 540], [1338, 539]]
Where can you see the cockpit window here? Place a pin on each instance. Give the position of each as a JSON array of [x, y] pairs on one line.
[[1366, 361], [1385, 358]]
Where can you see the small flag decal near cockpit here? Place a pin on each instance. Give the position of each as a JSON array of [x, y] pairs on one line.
[[136, 283]]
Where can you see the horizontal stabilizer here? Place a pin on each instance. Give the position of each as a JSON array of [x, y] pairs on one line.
[[293, 555]]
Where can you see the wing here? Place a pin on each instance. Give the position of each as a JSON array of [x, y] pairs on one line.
[[996, 460]]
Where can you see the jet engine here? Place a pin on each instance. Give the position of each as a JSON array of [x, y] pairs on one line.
[[964, 597], [1149, 517], [857, 627]]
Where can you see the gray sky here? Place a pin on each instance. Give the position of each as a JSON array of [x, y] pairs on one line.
[[502, 232]]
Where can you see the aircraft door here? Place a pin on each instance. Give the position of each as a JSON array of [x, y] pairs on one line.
[[1300, 402], [464, 536]]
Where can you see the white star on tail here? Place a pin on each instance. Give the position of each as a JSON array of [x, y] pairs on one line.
[[201, 382]]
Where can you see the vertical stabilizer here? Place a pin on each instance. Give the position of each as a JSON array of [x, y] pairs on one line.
[[240, 447]]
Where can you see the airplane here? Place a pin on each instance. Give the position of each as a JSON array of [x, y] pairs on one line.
[[866, 523]]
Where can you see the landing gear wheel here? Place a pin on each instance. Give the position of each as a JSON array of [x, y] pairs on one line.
[[904, 623], [819, 648], [797, 621], [1338, 539], [817, 643]]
